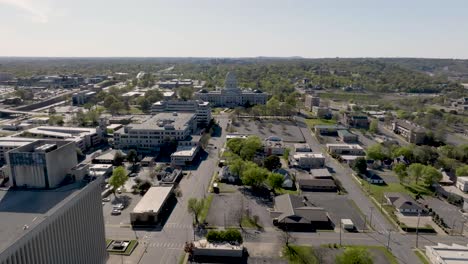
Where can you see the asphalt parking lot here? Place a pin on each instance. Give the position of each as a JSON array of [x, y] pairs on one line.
[[226, 207], [123, 219], [338, 207], [287, 130], [450, 213]]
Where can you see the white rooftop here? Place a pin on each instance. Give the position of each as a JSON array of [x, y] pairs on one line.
[[185, 151], [153, 200], [454, 254]]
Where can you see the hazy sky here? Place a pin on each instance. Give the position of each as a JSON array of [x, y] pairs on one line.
[[234, 28]]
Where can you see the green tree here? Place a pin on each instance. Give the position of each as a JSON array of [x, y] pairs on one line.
[[359, 165], [272, 162], [195, 207], [118, 158], [254, 176], [118, 178], [286, 154], [153, 96], [235, 145], [275, 180], [145, 104], [400, 171], [56, 120], [431, 175], [376, 152], [249, 147], [272, 106], [462, 171], [354, 256], [116, 107], [109, 100], [132, 156], [185, 93], [374, 126], [415, 171], [406, 152]]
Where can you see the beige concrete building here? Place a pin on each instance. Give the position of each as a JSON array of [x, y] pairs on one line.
[[41, 164], [409, 131], [201, 109], [147, 211], [345, 149], [311, 101], [231, 95], [59, 226], [156, 131]]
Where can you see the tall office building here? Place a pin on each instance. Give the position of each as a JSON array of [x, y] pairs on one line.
[[41, 164], [201, 109], [64, 225]]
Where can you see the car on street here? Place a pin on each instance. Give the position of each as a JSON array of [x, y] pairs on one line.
[[116, 212], [107, 199], [119, 190], [118, 207], [133, 174]]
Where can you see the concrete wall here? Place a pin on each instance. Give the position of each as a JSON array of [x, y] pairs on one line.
[[60, 162]]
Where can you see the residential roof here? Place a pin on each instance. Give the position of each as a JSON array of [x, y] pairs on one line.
[[409, 126], [402, 201], [317, 183], [153, 200], [295, 210]]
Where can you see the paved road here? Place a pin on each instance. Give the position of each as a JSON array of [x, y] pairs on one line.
[[167, 245]]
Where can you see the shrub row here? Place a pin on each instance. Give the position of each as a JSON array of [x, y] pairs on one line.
[[229, 235]]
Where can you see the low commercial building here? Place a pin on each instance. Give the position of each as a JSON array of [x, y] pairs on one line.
[[294, 213], [308, 183], [100, 170], [65, 225], [155, 131], [201, 109], [356, 120], [41, 164], [302, 147], [83, 137], [446, 254], [345, 149], [329, 130], [307, 160], [347, 137], [203, 248], [311, 101], [321, 174], [184, 156], [149, 208], [273, 146], [410, 132], [321, 111], [462, 183]]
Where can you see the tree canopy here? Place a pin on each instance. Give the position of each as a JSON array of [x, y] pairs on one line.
[[118, 178], [354, 256]]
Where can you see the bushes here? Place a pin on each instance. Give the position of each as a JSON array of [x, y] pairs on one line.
[[229, 235]]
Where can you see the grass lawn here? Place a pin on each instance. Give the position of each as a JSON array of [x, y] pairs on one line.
[[311, 123], [128, 251], [250, 223], [299, 254], [346, 96], [226, 188], [135, 110], [383, 249], [206, 208], [421, 256], [285, 191]]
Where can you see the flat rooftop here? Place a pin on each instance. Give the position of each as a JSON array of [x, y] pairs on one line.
[[347, 146], [453, 254], [22, 210], [153, 200], [157, 122], [185, 151], [15, 141]]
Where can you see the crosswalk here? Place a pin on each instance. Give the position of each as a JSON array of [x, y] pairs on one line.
[[177, 226], [168, 245]]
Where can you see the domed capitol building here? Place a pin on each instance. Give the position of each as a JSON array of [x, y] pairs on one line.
[[231, 95]]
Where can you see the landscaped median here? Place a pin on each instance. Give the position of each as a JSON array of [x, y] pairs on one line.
[[121, 247]]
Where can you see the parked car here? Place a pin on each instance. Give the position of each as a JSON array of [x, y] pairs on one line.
[[107, 199], [118, 207], [116, 212], [134, 174], [119, 190]]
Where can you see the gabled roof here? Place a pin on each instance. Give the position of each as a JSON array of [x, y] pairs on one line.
[[402, 201], [295, 210]]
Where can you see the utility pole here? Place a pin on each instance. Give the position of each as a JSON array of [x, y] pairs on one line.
[[370, 218], [340, 232], [365, 223], [453, 227], [462, 227], [417, 230], [388, 241]]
